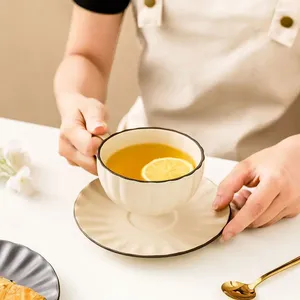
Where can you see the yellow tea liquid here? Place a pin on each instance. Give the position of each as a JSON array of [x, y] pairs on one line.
[[130, 161]]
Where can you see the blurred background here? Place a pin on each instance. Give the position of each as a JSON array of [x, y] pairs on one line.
[[33, 39]]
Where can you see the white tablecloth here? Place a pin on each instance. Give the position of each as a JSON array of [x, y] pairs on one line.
[[87, 272]]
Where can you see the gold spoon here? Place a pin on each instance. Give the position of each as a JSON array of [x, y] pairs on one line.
[[238, 290]]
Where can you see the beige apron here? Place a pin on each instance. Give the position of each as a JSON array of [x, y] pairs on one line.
[[225, 72]]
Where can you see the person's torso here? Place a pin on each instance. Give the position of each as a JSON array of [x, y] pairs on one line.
[[227, 73]]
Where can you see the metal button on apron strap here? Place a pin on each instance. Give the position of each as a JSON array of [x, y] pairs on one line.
[[286, 22], [150, 3]]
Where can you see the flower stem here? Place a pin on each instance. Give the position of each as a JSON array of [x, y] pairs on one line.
[[6, 169]]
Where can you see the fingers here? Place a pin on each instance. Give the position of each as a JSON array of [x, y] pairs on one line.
[[258, 202], [234, 212], [83, 120], [274, 210], [94, 115], [72, 163], [240, 198], [80, 138], [289, 212], [76, 158], [277, 218], [239, 177], [292, 215]]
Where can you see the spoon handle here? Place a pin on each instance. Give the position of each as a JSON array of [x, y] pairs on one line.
[[280, 269]]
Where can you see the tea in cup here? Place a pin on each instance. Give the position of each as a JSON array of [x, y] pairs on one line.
[[150, 171]]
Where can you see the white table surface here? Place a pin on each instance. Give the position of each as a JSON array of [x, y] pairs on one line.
[[86, 271]]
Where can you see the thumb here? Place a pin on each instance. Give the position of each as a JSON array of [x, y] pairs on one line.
[[236, 179], [94, 116]]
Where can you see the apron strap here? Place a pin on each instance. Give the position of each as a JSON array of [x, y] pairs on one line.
[[285, 23]]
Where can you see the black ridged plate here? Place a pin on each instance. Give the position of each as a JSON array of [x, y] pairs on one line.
[[28, 268]]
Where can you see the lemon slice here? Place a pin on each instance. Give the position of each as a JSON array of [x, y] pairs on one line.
[[166, 168]]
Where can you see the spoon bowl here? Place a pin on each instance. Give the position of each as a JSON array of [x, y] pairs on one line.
[[238, 290]]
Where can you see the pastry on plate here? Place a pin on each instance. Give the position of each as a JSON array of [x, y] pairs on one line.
[[5, 285], [11, 291]]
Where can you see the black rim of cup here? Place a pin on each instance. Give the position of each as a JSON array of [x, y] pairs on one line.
[[151, 128]]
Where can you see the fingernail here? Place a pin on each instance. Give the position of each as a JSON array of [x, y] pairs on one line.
[[99, 125], [216, 202], [226, 237]]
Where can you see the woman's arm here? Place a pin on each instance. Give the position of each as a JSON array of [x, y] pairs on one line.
[[80, 84], [89, 54]]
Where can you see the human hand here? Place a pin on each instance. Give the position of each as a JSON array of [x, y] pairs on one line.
[[274, 173], [83, 119]]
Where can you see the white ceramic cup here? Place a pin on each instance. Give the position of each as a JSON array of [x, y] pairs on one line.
[[150, 198]]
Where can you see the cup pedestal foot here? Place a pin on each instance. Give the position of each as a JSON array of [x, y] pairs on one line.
[[153, 223]]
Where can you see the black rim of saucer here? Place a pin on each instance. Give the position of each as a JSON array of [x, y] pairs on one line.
[[151, 128], [148, 256]]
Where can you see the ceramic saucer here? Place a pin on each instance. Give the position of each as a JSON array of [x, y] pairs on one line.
[[192, 227]]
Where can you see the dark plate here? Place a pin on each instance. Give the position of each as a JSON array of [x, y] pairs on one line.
[[28, 268]]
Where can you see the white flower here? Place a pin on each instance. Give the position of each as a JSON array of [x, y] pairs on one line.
[[14, 167], [21, 182], [5, 169], [15, 156]]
